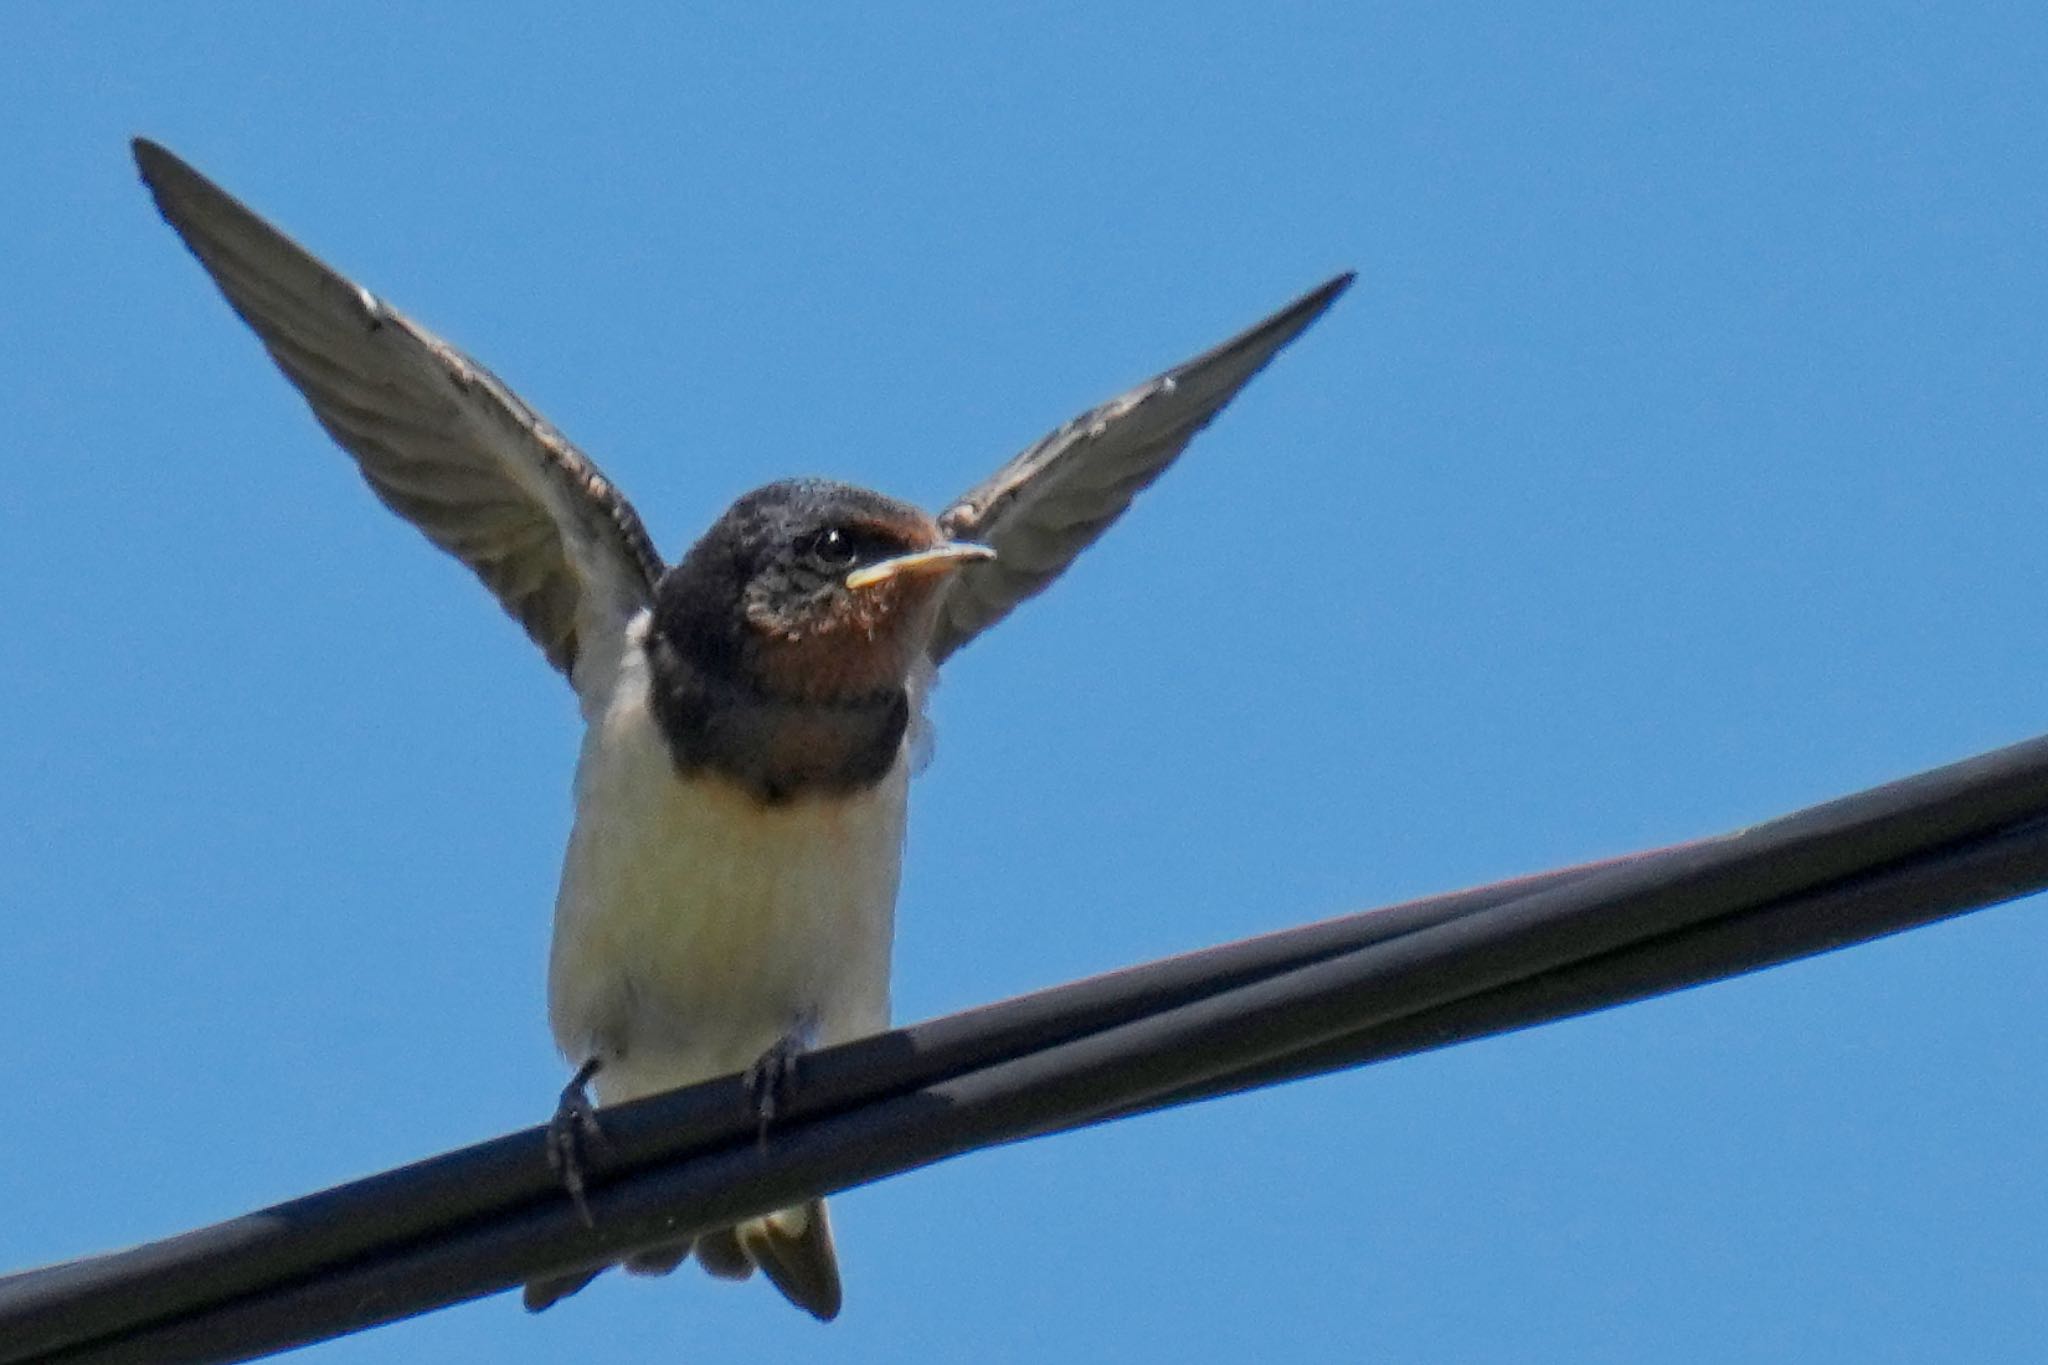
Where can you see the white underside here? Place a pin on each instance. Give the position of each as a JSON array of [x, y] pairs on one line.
[[695, 927]]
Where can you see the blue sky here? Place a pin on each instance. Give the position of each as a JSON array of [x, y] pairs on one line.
[[1676, 462]]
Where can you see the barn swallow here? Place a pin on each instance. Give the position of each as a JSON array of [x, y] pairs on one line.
[[752, 712]]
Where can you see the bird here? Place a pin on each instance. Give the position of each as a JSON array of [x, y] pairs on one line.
[[753, 712]]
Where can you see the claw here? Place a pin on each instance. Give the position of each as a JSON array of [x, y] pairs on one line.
[[772, 1077], [573, 1132]]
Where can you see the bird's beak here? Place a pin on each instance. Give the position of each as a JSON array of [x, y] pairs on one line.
[[944, 559]]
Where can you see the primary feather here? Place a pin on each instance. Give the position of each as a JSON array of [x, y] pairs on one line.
[[437, 437]]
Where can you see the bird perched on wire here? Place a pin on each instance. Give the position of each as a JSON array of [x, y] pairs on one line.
[[728, 895]]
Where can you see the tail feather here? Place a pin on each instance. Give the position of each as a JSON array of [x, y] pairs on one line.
[[792, 1247], [720, 1255], [658, 1260], [543, 1294], [794, 1250]]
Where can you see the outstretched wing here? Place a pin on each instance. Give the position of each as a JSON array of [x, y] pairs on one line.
[[438, 438], [1050, 503]]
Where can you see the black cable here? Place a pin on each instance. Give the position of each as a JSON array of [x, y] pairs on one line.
[[1306, 1000]]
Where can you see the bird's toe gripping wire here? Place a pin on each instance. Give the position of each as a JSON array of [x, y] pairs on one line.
[[573, 1134], [772, 1078]]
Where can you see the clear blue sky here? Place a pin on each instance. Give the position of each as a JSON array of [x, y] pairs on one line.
[[1678, 461]]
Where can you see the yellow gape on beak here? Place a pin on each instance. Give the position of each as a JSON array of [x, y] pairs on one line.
[[945, 559]]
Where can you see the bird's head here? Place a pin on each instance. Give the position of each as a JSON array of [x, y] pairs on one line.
[[811, 589]]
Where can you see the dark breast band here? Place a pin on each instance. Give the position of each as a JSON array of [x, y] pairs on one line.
[[777, 748]]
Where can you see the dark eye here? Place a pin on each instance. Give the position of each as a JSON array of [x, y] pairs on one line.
[[832, 548]]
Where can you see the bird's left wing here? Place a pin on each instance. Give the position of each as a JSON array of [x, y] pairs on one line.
[[1050, 503], [437, 437]]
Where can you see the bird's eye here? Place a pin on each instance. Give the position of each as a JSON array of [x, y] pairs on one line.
[[832, 548]]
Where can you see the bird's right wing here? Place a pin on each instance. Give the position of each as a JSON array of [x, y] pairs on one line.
[[437, 437], [1050, 503]]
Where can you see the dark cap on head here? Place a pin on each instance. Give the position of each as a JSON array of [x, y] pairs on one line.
[[762, 597], [783, 643]]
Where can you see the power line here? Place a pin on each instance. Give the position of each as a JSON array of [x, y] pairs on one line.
[[1304, 1001]]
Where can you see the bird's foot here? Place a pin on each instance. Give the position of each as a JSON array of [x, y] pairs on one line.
[[573, 1133], [773, 1075]]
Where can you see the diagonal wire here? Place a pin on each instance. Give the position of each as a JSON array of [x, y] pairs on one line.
[[1303, 1001]]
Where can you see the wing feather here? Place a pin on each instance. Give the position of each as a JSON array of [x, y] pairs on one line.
[[437, 437], [1048, 504]]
